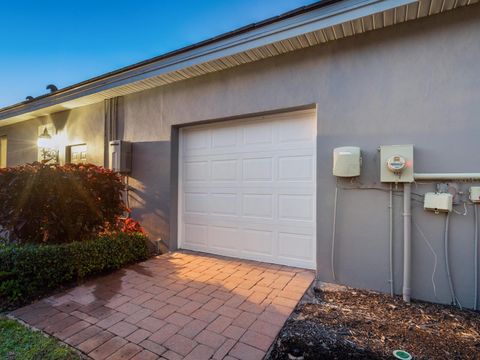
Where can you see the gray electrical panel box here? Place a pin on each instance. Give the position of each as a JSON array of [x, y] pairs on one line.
[[438, 202], [475, 194], [120, 156], [396, 163], [347, 161]]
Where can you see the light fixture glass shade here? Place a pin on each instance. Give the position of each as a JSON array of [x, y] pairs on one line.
[[44, 143], [44, 140]]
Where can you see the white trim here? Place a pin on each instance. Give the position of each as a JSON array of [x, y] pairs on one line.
[[180, 189], [314, 20]]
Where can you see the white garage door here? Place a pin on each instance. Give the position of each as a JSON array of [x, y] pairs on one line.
[[247, 189]]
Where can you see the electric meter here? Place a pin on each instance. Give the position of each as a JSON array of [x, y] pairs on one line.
[[396, 163]]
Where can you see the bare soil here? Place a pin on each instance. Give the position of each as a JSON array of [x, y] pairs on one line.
[[357, 324]]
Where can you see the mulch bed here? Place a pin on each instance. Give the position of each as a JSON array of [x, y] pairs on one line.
[[356, 324]]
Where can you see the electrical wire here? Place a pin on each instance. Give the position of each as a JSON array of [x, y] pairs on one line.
[[465, 211], [435, 257], [332, 260], [447, 262]]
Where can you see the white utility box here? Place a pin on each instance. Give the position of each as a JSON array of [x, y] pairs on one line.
[[120, 156], [347, 161], [396, 163], [475, 194], [438, 202]]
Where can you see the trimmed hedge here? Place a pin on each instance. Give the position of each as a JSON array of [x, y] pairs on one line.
[[30, 271]]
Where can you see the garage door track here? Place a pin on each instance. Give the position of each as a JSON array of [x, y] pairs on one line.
[[180, 305]]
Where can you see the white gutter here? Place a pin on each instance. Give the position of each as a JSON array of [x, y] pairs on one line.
[[313, 20]]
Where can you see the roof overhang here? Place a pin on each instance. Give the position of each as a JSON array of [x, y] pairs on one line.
[[316, 24]]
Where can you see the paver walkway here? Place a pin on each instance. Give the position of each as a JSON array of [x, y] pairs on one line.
[[179, 305]]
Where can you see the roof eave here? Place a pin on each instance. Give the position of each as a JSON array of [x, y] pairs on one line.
[[312, 19]]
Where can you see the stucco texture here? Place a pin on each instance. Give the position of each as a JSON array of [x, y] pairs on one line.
[[78, 126], [414, 83]]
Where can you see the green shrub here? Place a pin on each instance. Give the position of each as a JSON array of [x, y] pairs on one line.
[[30, 271], [42, 203]]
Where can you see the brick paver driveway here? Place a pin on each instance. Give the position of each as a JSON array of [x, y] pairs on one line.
[[180, 305]]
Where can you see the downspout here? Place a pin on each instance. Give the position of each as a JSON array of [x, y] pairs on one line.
[[407, 241]]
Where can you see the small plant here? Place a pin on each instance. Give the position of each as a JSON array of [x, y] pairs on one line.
[[128, 226]]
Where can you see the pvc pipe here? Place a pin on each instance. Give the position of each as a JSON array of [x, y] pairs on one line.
[[475, 207], [332, 260], [407, 241], [390, 206], [447, 260], [445, 176]]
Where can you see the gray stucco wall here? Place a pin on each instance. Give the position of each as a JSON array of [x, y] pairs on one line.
[[83, 125], [22, 141], [412, 83]]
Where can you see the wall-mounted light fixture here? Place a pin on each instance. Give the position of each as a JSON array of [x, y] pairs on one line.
[[46, 147]]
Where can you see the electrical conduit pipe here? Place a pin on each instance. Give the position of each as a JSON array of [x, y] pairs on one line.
[[475, 277], [407, 241], [390, 242], [446, 176]]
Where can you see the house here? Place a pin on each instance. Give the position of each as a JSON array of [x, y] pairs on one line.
[[233, 138]]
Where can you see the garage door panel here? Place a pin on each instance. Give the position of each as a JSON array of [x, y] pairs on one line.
[[247, 189], [223, 204], [224, 170], [258, 242], [196, 171], [223, 237], [258, 169], [257, 205], [258, 134], [301, 130], [295, 246], [196, 203], [224, 138], [296, 168], [196, 234], [196, 140], [296, 207]]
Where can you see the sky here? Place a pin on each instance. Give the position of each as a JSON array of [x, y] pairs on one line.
[[64, 42]]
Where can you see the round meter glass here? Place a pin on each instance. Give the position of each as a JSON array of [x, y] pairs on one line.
[[396, 163]]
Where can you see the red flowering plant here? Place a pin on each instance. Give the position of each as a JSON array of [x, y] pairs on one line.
[[50, 203], [129, 226]]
